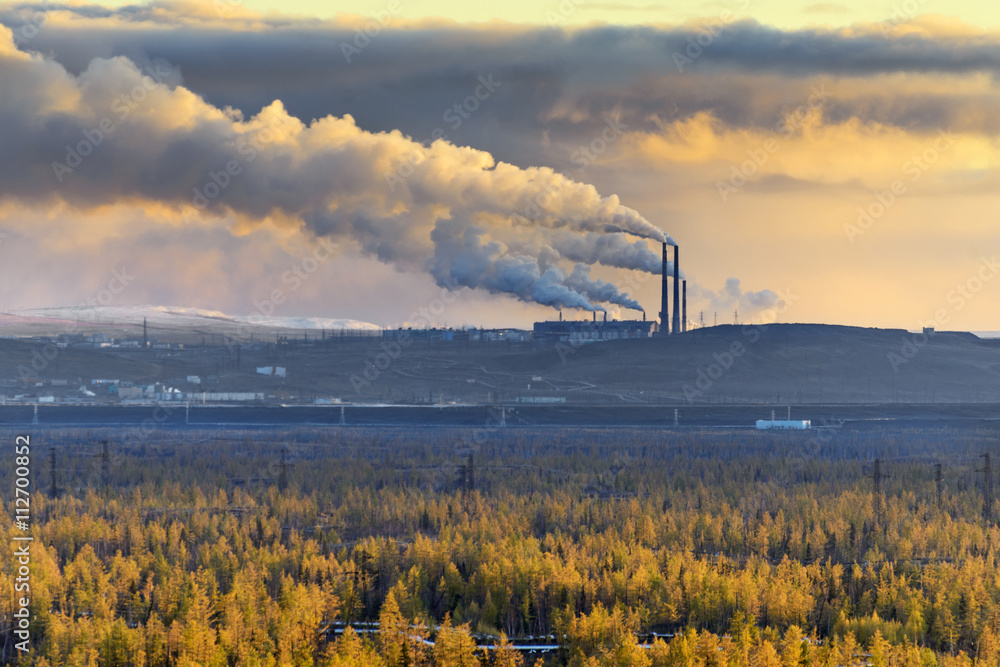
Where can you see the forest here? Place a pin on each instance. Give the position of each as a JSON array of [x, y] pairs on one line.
[[514, 546]]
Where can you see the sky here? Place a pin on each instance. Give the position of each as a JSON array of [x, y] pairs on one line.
[[488, 164]]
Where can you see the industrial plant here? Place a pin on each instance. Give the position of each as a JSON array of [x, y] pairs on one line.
[[583, 331]]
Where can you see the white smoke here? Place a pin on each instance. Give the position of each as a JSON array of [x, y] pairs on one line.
[[730, 299], [115, 133]]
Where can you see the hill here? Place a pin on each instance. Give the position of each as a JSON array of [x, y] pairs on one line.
[[774, 364]]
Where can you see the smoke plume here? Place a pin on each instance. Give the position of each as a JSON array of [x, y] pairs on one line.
[[117, 133]]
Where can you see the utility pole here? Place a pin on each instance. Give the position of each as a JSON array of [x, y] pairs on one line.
[[470, 474], [939, 483], [53, 489], [283, 472], [987, 471], [877, 477], [105, 463]]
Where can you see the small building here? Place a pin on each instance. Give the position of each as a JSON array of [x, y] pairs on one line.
[[784, 424], [194, 379]]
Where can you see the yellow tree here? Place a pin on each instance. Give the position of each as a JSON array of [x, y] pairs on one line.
[[454, 646], [392, 632], [505, 655], [350, 651]]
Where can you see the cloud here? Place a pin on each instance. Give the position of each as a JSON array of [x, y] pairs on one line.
[[732, 299], [565, 81], [339, 126], [115, 133]]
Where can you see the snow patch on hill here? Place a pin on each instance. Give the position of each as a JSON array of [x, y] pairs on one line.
[[183, 316]]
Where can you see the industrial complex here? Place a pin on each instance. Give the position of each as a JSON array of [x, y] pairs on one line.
[[595, 330]]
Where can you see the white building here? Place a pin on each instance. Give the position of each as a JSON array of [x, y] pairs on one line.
[[783, 424]]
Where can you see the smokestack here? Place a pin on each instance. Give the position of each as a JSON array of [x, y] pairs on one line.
[[595, 315], [684, 306], [676, 328], [664, 310], [605, 316]]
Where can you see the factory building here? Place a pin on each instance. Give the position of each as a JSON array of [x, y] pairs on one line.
[[583, 331]]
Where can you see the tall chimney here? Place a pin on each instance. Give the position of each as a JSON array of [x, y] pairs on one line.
[[676, 327], [664, 310], [684, 307]]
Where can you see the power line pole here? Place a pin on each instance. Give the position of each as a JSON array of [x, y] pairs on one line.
[[877, 476], [105, 461], [283, 474], [470, 480], [53, 488], [987, 471], [939, 483]]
